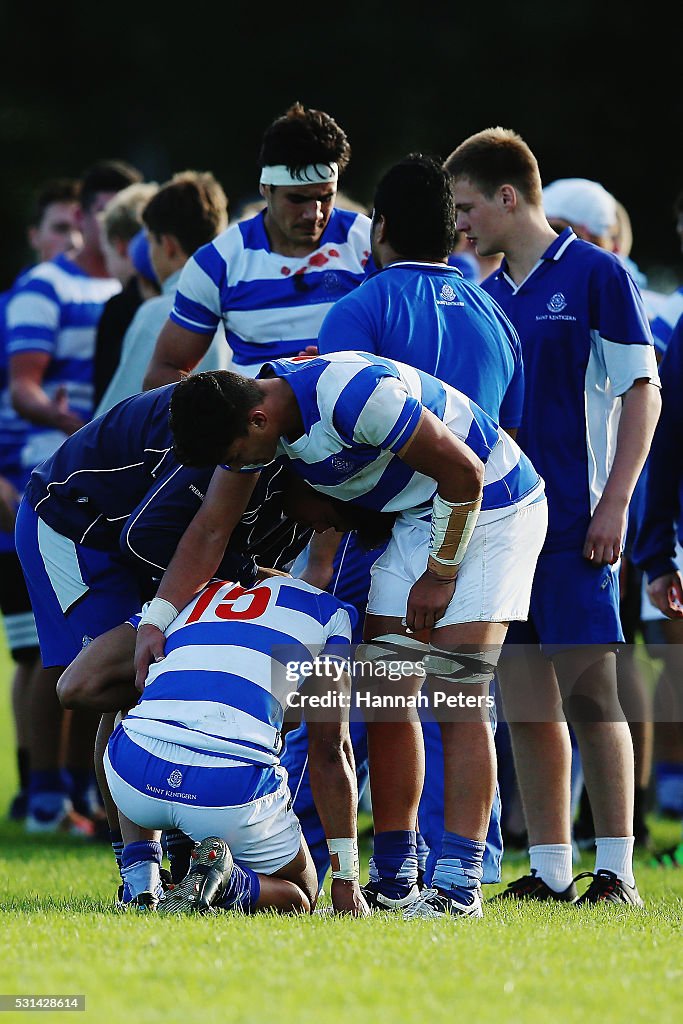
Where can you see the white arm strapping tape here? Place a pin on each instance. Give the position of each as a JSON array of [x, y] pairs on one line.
[[344, 859], [453, 524], [159, 613]]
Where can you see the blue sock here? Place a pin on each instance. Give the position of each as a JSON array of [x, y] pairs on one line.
[[140, 863], [82, 790], [394, 863], [460, 865], [244, 889], [669, 787], [48, 794], [178, 848], [422, 853], [116, 840]]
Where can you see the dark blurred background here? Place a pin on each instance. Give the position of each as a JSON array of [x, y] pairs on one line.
[[594, 86]]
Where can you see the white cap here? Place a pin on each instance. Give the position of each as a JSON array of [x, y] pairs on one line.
[[581, 202]]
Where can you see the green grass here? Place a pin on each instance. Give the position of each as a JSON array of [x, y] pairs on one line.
[[59, 934]]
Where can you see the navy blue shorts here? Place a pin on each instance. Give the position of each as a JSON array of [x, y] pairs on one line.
[[76, 593]]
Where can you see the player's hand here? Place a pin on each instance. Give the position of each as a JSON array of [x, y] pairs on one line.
[[428, 600], [348, 899], [603, 543], [666, 594], [310, 350], [65, 419], [9, 502], [149, 648]]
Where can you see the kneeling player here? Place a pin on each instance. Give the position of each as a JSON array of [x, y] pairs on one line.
[[199, 751]]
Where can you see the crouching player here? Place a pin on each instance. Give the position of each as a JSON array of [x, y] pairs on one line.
[[199, 750]]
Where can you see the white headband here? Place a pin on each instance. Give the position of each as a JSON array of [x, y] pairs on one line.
[[313, 174]]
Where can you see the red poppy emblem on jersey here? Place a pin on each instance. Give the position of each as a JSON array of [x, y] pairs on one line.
[[285, 270], [318, 260], [334, 252]]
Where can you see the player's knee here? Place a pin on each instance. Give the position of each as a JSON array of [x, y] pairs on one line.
[[69, 688], [465, 666], [579, 707]]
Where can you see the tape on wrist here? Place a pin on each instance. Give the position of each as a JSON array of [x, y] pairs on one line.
[[159, 613], [344, 859], [453, 524]]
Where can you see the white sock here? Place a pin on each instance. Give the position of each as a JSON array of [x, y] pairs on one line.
[[615, 855], [553, 863], [143, 876]]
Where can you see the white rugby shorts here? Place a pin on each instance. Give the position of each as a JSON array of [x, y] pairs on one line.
[[263, 834], [495, 577]]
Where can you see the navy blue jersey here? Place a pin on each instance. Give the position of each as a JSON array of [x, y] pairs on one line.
[[585, 340], [116, 480], [661, 513], [97, 477]]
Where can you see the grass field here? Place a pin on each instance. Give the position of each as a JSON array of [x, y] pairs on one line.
[[59, 934]]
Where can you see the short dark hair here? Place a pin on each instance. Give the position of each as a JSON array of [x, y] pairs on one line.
[[106, 176], [303, 136], [56, 190], [495, 157], [416, 199], [192, 206], [208, 411], [373, 528]]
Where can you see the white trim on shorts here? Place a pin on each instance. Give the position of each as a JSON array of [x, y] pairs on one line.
[[495, 578], [263, 834], [60, 560]]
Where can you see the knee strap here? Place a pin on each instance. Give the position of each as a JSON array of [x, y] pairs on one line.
[[473, 668]]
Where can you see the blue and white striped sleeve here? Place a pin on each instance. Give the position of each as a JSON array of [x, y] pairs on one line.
[[33, 315], [389, 417], [197, 305]]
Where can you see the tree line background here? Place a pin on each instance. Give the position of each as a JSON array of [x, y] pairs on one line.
[[594, 86]]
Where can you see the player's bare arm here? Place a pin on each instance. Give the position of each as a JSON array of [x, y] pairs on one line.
[[197, 557], [176, 354], [9, 503], [639, 415], [333, 784], [459, 474], [29, 398], [320, 564]]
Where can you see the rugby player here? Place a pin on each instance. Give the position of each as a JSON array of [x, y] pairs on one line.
[[199, 751], [380, 434], [590, 409]]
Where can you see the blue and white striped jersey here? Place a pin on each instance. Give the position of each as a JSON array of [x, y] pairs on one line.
[[360, 409], [219, 690], [14, 430], [55, 309], [271, 305]]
